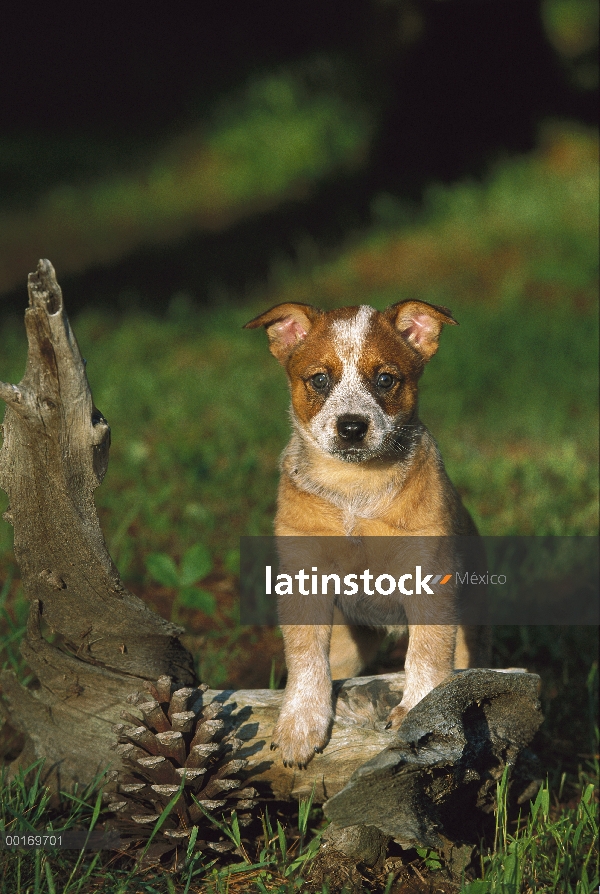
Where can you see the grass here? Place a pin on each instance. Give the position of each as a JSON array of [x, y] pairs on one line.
[[279, 863], [198, 410], [548, 851]]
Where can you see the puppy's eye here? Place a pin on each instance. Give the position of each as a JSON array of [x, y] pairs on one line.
[[320, 382], [385, 381]]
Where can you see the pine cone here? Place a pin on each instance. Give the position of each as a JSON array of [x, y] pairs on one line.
[[177, 740]]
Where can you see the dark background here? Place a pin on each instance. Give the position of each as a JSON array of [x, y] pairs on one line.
[[466, 76], [456, 84]]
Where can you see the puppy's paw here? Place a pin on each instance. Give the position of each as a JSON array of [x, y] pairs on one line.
[[299, 737], [396, 716]]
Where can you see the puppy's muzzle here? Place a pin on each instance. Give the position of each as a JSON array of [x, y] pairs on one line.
[[352, 429]]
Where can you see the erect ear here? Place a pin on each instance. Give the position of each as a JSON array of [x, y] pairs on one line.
[[286, 325], [420, 324]]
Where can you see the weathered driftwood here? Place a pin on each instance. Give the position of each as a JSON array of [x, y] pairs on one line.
[[92, 644], [54, 454], [432, 784], [462, 734]]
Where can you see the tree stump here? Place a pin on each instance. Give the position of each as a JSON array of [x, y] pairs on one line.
[[88, 639]]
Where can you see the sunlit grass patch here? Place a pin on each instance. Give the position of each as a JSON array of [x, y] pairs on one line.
[[530, 231], [275, 858], [525, 488], [546, 849]]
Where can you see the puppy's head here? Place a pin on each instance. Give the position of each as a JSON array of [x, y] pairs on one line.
[[353, 372]]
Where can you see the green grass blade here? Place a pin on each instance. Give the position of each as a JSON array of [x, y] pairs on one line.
[[164, 816], [49, 878]]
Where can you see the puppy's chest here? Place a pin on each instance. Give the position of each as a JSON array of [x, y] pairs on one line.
[[367, 517], [310, 509]]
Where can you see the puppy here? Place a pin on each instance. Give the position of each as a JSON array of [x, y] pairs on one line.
[[361, 465]]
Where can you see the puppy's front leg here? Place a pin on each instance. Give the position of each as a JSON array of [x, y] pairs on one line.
[[306, 715], [429, 661]]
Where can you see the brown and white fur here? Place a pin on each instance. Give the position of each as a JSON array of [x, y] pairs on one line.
[[361, 464]]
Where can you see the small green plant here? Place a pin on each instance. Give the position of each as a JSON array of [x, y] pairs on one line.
[[430, 858], [195, 565], [275, 675]]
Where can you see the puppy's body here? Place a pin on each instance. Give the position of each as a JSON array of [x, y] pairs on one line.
[[361, 465]]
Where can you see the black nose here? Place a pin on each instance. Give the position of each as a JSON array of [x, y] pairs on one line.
[[352, 428]]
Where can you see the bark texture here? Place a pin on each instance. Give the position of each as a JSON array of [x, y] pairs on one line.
[[88, 639], [434, 783]]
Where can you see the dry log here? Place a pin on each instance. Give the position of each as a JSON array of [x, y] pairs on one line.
[[465, 731], [92, 644], [358, 734], [53, 456], [434, 782]]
